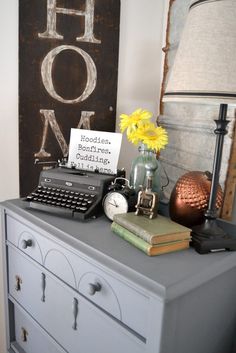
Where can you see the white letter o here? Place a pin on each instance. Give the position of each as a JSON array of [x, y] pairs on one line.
[[46, 73]]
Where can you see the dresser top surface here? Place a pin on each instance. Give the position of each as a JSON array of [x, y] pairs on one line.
[[167, 276]]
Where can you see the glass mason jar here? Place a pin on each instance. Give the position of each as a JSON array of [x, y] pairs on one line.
[[141, 167]]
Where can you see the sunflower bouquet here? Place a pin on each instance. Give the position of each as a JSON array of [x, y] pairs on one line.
[[140, 129]]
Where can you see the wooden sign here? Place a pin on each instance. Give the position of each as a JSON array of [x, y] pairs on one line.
[[68, 64]]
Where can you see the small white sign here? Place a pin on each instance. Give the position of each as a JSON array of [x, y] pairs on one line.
[[94, 150]]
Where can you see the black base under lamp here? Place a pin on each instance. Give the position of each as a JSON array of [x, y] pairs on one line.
[[204, 72], [209, 236]]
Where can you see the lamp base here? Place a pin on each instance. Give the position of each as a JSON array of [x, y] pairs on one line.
[[209, 237]]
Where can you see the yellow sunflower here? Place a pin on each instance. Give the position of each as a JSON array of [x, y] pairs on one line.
[[133, 136], [154, 137], [130, 122]]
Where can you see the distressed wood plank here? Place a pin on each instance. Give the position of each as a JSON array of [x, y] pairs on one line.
[[230, 184], [68, 66]]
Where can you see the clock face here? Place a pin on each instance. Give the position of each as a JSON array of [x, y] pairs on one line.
[[114, 203]]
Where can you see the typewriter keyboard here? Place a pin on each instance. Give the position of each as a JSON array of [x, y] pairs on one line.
[[62, 201]]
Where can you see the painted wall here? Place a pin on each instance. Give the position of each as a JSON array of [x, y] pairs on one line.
[[9, 100], [8, 122], [140, 64], [140, 69]]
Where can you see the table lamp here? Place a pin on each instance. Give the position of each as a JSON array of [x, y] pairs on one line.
[[204, 71]]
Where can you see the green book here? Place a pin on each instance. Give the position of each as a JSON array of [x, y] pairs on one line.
[[154, 231], [149, 249]]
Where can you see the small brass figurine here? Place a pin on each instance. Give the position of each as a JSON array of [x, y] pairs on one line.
[[147, 203]]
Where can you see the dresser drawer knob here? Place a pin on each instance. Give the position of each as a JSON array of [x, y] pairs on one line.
[[26, 243], [24, 334], [18, 283], [93, 288], [43, 286], [75, 313]]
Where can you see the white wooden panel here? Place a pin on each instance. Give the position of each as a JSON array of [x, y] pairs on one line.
[[37, 341], [73, 270], [57, 316]]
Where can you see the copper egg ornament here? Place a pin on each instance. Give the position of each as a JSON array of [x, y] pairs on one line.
[[190, 196]]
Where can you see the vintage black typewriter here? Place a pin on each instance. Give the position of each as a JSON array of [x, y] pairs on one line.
[[71, 192]]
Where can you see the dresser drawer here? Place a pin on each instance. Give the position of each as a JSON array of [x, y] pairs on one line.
[[30, 336], [67, 316], [24, 238], [118, 298]]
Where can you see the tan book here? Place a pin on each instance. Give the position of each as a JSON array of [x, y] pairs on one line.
[[150, 250], [154, 231]]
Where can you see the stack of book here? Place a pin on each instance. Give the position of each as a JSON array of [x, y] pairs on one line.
[[153, 236]]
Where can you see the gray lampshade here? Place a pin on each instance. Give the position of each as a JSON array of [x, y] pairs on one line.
[[204, 69]]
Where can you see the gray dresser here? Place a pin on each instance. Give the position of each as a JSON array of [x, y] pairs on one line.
[[76, 287]]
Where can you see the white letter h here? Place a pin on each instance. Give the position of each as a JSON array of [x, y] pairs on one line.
[[53, 10]]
